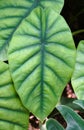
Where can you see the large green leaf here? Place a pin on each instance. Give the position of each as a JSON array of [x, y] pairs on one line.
[[41, 60], [13, 115], [52, 124], [12, 13], [78, 75], [74, 121]]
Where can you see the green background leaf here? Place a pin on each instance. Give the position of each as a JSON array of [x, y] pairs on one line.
[[52, 124], [78, 75], [80, 103], [13, 12], [74, 121], [13, 115], [44, 60]]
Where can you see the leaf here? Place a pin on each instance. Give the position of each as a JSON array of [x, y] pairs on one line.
[[13, 12], [39, 71], [74, 121], [80, 103], [78, 75], [57, 5], [69, 102], [13, 115], [52, 124]]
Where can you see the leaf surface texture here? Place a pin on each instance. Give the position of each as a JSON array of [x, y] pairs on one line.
[[74, 121], [13, 12], [78, 75], [13, 116], [43, 62]]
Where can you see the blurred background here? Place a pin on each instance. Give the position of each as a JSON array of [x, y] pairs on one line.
[[73, 12]]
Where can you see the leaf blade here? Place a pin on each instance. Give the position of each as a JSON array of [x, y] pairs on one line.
[[57, 5], [12, 14], [78, 75], [74, 121], [37, 60], [52, 124], [12, 113], [80, 103]]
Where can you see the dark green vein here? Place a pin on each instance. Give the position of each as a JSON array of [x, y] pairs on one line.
[[51, 88], [59, 32], [59, 58], [27, 34], [12, 110], [29, 95], [25, 61], [42, 60], [28, 75], [41, 5], [60, 44], [8, 97], [53, 23], [14, 7], [34, 5], [32, 24], [3, 29], [9, 17], [5, 85], [24, 47], [10, 122], [54, 72], [3, 72]]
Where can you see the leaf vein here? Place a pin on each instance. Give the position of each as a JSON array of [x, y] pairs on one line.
[[14, 123], [55, 73]]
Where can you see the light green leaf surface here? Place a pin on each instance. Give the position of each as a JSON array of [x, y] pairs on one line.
[[74, 121], [44, 60], [13, 12], [80, 103], [78, 75], [13, 115], [52, 124], [57, 5]]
